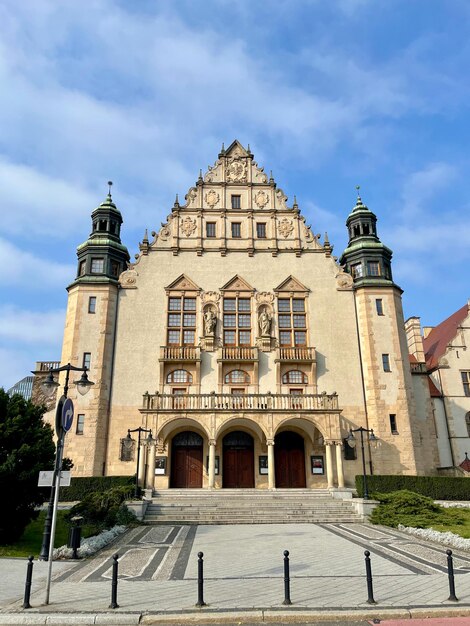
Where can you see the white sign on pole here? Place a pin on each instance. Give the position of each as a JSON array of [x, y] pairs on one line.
[[46, 478]]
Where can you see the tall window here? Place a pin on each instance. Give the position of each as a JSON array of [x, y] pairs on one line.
[[82, 268], [210, 230], [181, 321], [292, 322], [386, 362], [236, 202], [356, 270], [373, 268], [97, 266], [86, 360], [261, 230], [393, 424], [237, 321], [236, 230], [379, 306], [92, 304], [80, 424], [466, 382]]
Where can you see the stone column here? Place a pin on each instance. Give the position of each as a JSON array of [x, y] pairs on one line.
[[271, 465], [141, 469], [151, 465], [339, 463], [211, 463], [329, 464]]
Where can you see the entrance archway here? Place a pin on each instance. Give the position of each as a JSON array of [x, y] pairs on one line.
[[289, 454], [186, 460], [238, 461]]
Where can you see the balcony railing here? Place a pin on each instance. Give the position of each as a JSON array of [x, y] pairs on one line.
[[245, 402], [418, 368], [45, 366], [296, 354], [238, 353], [180, 353]]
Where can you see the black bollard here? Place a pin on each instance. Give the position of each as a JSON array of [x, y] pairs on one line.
[[370, 591], [200, 580], [29, 580], [450, 570], [114, 584], [287, 599]]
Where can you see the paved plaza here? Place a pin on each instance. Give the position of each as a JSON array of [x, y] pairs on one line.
[[243, 573]]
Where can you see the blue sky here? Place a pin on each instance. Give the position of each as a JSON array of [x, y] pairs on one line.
[[328, 93]]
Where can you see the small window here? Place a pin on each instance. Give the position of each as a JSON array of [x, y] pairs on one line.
[[350, 453], [92, 304], [245, 337], [237, 377], [236, 230], [356, 270], [467, 422], [379, 306], [210, 230], [365, 229], [80, 424], [173, 337], [115, 268], [373, 268], [357, 230], [86, 360], [229, 337], [236, 202], [189, 304], [103, 224], [82, 268], [294, 377], [175, 304], [261, 230], [393, 424], [97, 266], [386, 362], [179, 376], [466, 383]]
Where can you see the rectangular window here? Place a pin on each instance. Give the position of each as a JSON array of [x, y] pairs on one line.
[[181, 327], [466, 383], [236, 202], [189, 304], [299, 321], [188, 337], [189, 320], [230, 304], [292, 322], [285, 338], [386, 362], [373, 268], [236, 230], [244, 304], [97, 266], [244, 321], [82, 268], [173, 337], [229, 337], [237, 321], [210, 230], [356, 270], [379, 306], [261, 230], [115, 267], [245, 337], [175, 304], [393, 424], [230, 321], [92, 304], [86, 360], [174, 319], [80, 424]]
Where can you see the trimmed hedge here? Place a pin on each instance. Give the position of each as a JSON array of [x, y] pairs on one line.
[[435, 487], [81, 487]]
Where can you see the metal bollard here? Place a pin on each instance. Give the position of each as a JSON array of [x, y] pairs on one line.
[[114, 584], [287, 599], [370, 590], [450, 570], [200, 580], [29, 580]]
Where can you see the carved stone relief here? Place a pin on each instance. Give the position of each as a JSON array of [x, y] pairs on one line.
[[188, 226], [285, 227], [264, 297], [258, 174], [261, 199], [191, 196], [344, 281], [212, 198], [281, 199], [236, 170], [128, 279], [165, 232], [210, 296]]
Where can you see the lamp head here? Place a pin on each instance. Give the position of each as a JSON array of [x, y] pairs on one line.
[[351, 439], [83, 384], [49, 385]]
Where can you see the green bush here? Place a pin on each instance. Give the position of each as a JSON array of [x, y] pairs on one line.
[[412, 509], [82, 487], [436, 487], [101, 510]]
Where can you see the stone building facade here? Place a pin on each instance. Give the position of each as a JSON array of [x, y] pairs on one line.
[[245, 347]]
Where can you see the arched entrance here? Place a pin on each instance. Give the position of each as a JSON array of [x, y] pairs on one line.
[[238, 461], [186, 460], [289, 460]]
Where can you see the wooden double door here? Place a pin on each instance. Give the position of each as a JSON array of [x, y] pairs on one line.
[[289, 460], [238, 461], [186, 461]]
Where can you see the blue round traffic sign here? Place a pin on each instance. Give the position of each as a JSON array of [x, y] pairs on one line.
[[67, 415]]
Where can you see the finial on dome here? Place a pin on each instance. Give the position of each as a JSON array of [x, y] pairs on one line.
[[359, 199], [110, 184]]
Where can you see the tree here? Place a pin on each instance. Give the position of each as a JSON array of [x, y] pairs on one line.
[[26, 447]]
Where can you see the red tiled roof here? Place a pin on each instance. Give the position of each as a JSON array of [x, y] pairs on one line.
[[465, 465], [412, 358], [440, 336], [433, 390]]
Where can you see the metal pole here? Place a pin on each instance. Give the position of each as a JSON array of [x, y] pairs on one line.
[[450, 568], [200, 580], [136, 491], [114, 583], [287, 599], [60, 448], [29, 580], [364, 475], [370, 590]]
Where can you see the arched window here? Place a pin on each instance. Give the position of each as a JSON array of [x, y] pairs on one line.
[[179, 376], [467, 422], [238, 377], [294, 377]]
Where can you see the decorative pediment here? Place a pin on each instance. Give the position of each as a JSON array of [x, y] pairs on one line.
[[292, 284], [236, 149], [237, 284], [183, 283]]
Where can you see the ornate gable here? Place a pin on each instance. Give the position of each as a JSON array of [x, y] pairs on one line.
[[292, 284], [237, 284], [183, 283]]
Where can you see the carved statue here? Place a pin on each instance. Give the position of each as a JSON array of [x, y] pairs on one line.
[[265, 322], [210, 321]]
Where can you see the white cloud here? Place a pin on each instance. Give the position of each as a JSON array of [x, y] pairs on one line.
[[27, 326], [421, 187]]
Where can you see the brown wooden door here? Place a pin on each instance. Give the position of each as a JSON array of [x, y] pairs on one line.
[[238, 461], [290, 460], [186, 470]]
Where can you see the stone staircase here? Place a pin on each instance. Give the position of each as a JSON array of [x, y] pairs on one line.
[[248, 506]]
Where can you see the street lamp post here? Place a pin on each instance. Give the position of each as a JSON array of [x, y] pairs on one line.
[[352, 442], [149, 439], [48, 386]]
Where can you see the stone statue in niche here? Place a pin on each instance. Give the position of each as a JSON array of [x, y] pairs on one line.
[[210, 321], [265, 322]]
